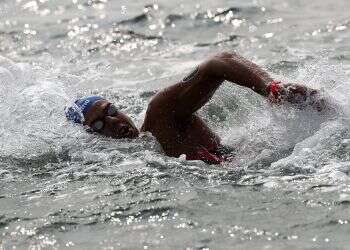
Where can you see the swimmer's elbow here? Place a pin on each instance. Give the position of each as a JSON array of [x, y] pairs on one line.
[[216, 66], [212, 68]]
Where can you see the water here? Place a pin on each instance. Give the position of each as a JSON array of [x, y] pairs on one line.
[[288, 187]]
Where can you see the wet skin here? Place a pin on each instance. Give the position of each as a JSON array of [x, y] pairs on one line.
[[171, 114]]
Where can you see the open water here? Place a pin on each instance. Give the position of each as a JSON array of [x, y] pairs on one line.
[[288, 187]]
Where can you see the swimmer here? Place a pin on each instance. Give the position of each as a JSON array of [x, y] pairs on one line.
[[171, 114]]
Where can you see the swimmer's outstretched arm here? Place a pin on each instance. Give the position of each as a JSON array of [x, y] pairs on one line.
[[235, 68], [195, 90], [189, 95], [239, 70]]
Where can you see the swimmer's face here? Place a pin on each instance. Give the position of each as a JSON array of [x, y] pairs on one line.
[[105, 119]]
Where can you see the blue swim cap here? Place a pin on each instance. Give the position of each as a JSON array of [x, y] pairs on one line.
[[77, 112]]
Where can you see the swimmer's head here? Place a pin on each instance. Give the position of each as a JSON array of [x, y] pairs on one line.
[[101, 116]]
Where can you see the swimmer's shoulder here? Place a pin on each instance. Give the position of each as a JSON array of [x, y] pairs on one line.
[[164, 106], [163, 102], [157, 111]]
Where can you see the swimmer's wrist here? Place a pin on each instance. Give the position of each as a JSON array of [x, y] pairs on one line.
[[274, 91], [272, 83], [262, 82]]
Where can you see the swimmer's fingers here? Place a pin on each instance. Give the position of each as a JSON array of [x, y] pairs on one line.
[[300, 97], [293, 88], [299, 94], [304, 97], [320, 104]]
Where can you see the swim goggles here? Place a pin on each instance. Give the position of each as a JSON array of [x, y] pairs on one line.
[[99, 124]]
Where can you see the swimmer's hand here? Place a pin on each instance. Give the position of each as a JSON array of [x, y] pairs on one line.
[[298, 95]]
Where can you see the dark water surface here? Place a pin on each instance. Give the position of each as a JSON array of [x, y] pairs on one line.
[[288, 187]]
